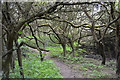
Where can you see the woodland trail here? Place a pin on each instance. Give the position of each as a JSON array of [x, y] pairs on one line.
[[76, 70], [65, 70]]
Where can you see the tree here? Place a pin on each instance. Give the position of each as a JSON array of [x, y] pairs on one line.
[[17, 16], [14, 17]]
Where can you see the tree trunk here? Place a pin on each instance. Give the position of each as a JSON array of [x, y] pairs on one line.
[[73, 51], [44, 51], [64, 49], [117, 47], [102, 52], [72, 46], [19, 55], [109, 53], [13, 63], [41, 56], [117, 41], [118, 65], [20, 61], [8, 60]]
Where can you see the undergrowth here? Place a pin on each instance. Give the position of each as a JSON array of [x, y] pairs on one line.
[[34, 68]]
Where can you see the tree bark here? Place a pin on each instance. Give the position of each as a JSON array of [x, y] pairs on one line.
[[41, 56], [117, 47], [72, 46], [118, 65], [64, 49], [101, 51], [13, 63], [19, 55], [8, 60]]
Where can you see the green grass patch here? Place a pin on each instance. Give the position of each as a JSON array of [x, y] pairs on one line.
[[55, 51], [34, 68]]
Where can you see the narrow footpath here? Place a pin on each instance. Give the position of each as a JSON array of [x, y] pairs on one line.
[[65, 70], [78, 70]]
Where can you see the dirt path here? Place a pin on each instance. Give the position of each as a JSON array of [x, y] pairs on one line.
[[65, 70], [80, 70]]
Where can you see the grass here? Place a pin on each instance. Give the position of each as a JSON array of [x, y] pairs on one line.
[[87, 66], [94, 69], [58, 52], [34, 68]]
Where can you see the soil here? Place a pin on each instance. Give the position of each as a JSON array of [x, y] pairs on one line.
[[76, 70], [65, 69]]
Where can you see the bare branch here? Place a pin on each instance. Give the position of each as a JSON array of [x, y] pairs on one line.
[[9, 52], [107, 26]]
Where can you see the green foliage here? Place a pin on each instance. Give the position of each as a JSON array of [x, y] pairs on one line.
[[68, 48], [34, 68], [111, 64], [24, 39], [99, 74], [55, 51], [58, 52], [70, 59], [20, 40], [75, 43], [20, 32], [117, 5], [26, 24], [48, 42], [24, 49], [93, 70], [30, 42], [95, 66], [83, 68], [82, 50]]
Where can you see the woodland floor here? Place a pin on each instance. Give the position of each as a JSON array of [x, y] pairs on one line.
[[84, 69]]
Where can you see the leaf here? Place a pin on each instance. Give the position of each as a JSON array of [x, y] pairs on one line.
[[20, 32], [26, 24], [42, 54], [45, 54], [31, 20]]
